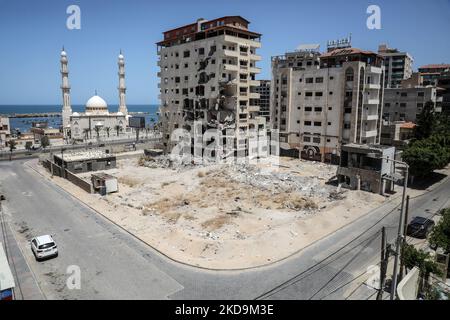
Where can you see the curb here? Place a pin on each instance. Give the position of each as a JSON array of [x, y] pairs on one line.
[[225, 270]]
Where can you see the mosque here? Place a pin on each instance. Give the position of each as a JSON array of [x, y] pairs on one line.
[[96, 121]]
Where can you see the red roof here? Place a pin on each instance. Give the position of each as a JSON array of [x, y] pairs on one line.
[[435, 66], [346, 51], [408, 125]]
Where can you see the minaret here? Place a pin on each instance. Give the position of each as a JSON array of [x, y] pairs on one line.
[[122, 88], [65, 87]]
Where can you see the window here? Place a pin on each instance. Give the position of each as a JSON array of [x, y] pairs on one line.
[[308, 94], [317, 124], [186, 54], [349, 77], [330, 108], [299, 93], [309, 80], [319, 80], [308, 63], [213, 61], [300, 80], [177, 79], [201, 51], [316, 139], [404, 94], [387, 105], [318, 109], [421, 94], [186, 78], [329, 123], [403, 105], [298, 121], [319, 94], [306, 139], [331, 93], [331, 78], [307, 123], [213, 88], [308, 109]]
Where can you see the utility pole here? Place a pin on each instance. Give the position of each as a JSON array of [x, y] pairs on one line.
[[405, 226], [384, 263], [399, 240]]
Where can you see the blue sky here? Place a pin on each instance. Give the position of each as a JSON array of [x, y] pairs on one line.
[[33, 32]]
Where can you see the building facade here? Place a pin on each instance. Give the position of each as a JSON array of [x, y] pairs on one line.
[[264, 99], [398, 65], [5, 131], [320, 101], [363, 167], [430, 73], [404, 104], [96, 121], [207, 74]]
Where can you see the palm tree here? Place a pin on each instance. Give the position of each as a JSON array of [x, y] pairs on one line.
[[118, 129], [107, 129], [97, 130], [86, 132], [12, 147]]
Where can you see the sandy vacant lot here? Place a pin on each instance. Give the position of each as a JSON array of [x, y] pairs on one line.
[[227, 216]]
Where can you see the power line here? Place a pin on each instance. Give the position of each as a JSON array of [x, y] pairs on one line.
[[287, 282]]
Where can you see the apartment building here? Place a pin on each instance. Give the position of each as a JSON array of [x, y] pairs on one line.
[[264, 99], [444, 84], [430, 73], [5, 131], [398, 65], [321, 101], [207, 74], [404, 104]]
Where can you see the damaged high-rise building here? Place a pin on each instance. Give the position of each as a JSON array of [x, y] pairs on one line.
[[208, 75]]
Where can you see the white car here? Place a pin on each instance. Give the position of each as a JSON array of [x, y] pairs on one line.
[[44, 247]]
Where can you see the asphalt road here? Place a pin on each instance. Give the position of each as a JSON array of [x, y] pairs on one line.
[[115, 265]]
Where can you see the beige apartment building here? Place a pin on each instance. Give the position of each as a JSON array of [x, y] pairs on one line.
[[5, 131], [321, 101], [397, 64], [404, 104], [207, 73]]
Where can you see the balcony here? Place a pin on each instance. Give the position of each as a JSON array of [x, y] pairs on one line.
[[254, 95], [255, 57], [373, 86], [231, 67], [370, 117], [248, 42], [255, 83], [253, 108], [255, 70], [368, 100], [231, 53], [370, 134]]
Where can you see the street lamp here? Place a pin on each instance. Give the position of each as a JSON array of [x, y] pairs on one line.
[[400, 223]]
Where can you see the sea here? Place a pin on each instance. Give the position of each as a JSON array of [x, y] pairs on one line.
[[24, 124]]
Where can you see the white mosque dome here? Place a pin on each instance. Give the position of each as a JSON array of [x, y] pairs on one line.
[[96, 104], [63, 53], [75, 114], [120, 113]]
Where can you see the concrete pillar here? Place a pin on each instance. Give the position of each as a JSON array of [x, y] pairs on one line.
[[358, 182], [383, 187]]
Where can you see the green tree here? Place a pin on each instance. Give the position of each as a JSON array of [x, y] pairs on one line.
[[425, 121], [107, 129], [45, 142], [118, 129], [425, 156], [97, 130], [28, 145], [411, 257], [86, 132], [12, 146], [440, 236]]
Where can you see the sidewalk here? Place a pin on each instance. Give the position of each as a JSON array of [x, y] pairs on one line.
[[26, 285]]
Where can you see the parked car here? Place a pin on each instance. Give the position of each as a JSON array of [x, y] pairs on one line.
[[44, 247], [419, 227]]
